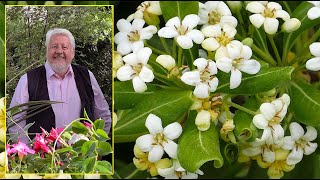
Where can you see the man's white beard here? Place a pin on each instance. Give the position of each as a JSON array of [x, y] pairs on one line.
[[59, 68]]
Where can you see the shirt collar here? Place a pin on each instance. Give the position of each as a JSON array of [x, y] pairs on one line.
[[50, 73]]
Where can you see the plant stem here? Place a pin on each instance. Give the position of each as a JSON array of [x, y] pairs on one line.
[[300, 59], [180, 57], [274, 47], [154, 49], [241, 108], [132, 174], [20, 128], [313, 39], [286, 5], [164, 44], [174, 49], [263, 55]]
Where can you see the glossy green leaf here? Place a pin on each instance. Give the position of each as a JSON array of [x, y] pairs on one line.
[[79, 128], [103, 167], [172, 9], [125, 97], [104, 148], [168, 105], [198, 147], [244, 129], [89, 164], [103, 136], [63, 150], [265, 80], [305, 103], [98, 124], [88, 147]]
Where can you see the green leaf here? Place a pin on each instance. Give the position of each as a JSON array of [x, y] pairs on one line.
[[125, 97], [265, 80], [168, 105], [98, 124], [244, 129], [103, 136], [78, 145], [305, 103], [230, 152], [79, 128], [198, 147], [103, 167], [88, 147], [89, 164], [171, 9], [62, 150], [104, 148]]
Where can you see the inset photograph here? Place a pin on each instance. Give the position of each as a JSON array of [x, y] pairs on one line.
[[59, 89]]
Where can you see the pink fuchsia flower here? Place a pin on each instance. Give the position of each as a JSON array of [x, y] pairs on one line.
[[21, 148], [40, 143], [88, 125], [54, 133]]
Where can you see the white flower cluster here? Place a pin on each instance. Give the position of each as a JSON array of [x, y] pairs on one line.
[[272, 150], [313, 64], [150, 148]]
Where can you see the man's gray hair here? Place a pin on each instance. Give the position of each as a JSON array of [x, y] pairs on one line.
[[61, 31]]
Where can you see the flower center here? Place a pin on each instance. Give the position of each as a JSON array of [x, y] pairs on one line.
[[268, 13], [214, 17], [180, 173], [158, 139], [223, 39], [181, 29], [205, 76], [137, 68], [134, 36]]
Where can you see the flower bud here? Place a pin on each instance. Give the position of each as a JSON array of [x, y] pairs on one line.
[[281, 154], [141, 165], [151, 19], [138, 152], [166, 61], [234, 6], [203, 120], [290, 25], [272, 92], [247, 41]]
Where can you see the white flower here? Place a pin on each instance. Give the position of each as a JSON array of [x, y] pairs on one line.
[[314, 12], [131, 36], [218, 36], [203, 78], [267, 151], [136, 69], [203, 120], [159, 139], [152, 7], [270, 119], [176, 172], [236, 58], [183, 31], [314, 63], [215, 12], [166, 61], [77, 137], [291, 25], [299, 142], [266, 14]]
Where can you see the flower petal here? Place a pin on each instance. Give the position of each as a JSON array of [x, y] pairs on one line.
[[313, 64], [282, 14], [274, 6], [268, 155], [310, 148], [196, 36], [155, 154], [173, 22], [268, 110], [311, 134], [137, 24], [212, 31], [124, 25], [246, 52], [252, 151], [138, 84], [191, 78], [167, 172], [172, 131], [144, 142], [124, 73], [229, 20], [201, 90], [131, 59], [148, 32], [295, 156], [190, 21], [201, 63], [250, 66], [124, 48], [278, 133], [234, 49], [259, 121], [143, 55], [288, 143], [314, 13], [314, 49], [190, 175], [168, 32], [154, 124], [296, 131], [255, 7], [170, 148], [235, 78], [224, 64], [185, 42], [257, 20], [213, 84], [212, 67], [210, 44], [223, 9], [271, 25]]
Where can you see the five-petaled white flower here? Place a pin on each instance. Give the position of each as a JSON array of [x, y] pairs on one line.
[[136, 69], [183, 31], [152, 7], [131, 36], [236, 58], [270, 117], [314, 63], [299, 142], [215, 12], [266, 14], [314, 12], [203, 77], [159, 139], [176, 171], [217, 36]]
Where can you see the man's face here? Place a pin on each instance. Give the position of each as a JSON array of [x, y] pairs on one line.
[[60, 53]]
